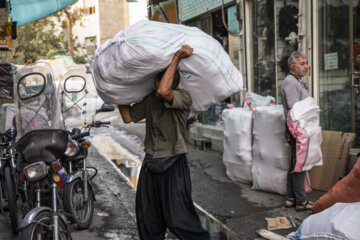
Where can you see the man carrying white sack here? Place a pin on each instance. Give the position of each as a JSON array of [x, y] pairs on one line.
[[163, 197], [291, 92]]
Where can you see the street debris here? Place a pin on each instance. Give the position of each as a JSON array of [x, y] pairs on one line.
[[103, 214], [280, 223]]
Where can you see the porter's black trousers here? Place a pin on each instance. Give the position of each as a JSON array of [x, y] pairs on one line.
[[164, 201]]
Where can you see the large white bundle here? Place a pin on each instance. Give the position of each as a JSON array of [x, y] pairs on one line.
[[271, 152], [304, 125], [237, 156], [124, 67], [340, 221]]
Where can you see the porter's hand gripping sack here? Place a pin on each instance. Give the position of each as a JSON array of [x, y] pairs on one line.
[[124, 67]]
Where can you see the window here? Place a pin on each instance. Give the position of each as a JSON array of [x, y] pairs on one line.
[[90, 43], [91, 10]]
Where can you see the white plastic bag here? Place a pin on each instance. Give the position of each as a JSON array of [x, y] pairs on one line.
[[340, 222], [237, 156], [124, 67], [271, 152]]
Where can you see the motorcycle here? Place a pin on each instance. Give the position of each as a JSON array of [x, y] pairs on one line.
[[78, 103], [9, 175], [42, 144]]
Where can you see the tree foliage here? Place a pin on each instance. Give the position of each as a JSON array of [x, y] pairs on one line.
[[72, 16], [42, 39]]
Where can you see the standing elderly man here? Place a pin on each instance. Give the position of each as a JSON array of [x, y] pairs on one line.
[[163, 197], [292, 91]]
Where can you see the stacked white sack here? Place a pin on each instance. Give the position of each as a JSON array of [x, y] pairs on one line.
[[271, 152], [124, 67], [257, 100], [237, 156], [306, 114]]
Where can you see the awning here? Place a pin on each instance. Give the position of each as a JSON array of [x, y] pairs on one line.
[[25, 11]]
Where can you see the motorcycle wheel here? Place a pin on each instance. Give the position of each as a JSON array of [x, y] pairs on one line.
[[80, 213], [11, 197], [41, 228]]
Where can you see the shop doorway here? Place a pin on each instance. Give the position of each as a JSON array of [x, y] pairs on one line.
[[339, 65]]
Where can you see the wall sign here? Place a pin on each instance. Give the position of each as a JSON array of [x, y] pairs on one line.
[[233, 22], [192, 8], [331, 61]]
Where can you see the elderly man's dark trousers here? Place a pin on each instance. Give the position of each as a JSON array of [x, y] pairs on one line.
[[164, 201], [295, 180]]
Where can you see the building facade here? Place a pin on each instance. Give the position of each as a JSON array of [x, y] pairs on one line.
[[259, 35], [100, 21]]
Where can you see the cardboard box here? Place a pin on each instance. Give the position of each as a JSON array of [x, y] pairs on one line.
[[335, 149], [342, 156]]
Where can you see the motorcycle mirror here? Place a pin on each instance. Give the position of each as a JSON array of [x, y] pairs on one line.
[[106, 107], [31, 85], [74, 84]]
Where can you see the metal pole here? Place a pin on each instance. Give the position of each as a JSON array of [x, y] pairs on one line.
[[276, 60], [55, 216], [86, 198], [37, 196], [351, 65]]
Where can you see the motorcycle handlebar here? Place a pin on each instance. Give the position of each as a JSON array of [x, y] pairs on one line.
[[100, 123], [80, 135]]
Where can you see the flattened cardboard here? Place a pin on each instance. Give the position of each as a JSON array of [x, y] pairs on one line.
[[342, 156], [321, 176]]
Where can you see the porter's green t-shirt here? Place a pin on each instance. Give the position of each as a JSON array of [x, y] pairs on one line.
[[165, 123]]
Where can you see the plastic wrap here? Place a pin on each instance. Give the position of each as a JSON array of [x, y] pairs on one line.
[[36, 99], [7, 80], [77, 94], [237, 156], [124, 67], [7, 115], [271, 152]]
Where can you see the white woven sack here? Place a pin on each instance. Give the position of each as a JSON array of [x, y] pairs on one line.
[[339, 222], [306, 114], [271, 152], [257, 100], [237, 156], [124, 67]]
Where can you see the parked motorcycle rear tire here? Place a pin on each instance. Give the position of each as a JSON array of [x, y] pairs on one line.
[[11, 197], [42, 224], [71, 190]]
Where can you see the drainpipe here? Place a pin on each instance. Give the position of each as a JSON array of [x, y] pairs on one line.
[[315, 52], [276, 55], [248, 43]]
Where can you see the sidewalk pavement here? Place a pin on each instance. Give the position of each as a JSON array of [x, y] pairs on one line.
[[235, 204]]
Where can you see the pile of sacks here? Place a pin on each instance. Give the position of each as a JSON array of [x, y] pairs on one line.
[[123, 68], [255, 149]]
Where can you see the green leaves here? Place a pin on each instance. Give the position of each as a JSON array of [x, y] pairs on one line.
[[41, 39]]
